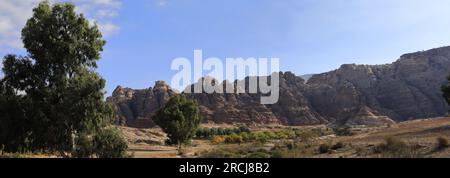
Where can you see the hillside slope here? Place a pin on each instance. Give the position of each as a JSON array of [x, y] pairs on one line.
[[353, 94]]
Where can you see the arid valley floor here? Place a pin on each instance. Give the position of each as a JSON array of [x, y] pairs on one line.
[[407, 139]]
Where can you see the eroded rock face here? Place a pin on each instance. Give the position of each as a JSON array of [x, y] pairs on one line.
[[136, 107], [353, 95], [368, 117], [292, 109], [404, 90]]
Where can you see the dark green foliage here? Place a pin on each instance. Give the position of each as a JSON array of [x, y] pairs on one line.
[[85, 147], [53, 95], [243, 135], [13, 122], [179, 118], [324, 148], [109, 143], [207, 133]]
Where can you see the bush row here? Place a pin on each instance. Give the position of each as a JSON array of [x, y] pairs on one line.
[[261, 137], [207, 133]]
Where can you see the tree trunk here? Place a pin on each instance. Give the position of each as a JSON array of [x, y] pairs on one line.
[[179, 148]]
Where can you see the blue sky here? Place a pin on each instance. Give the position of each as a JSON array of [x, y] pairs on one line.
[[309, 36]]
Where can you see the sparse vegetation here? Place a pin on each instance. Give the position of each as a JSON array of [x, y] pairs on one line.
[[442, 143], [261, 137], [343, 131], [338, 146], [396, 148], [324, 148], [244, 151]]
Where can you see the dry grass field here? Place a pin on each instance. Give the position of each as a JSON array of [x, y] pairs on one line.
[[410, 139], [420, 135]]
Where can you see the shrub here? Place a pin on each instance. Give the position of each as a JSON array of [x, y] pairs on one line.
[[343, 131], [218, 140], [227, 131], [202, 133], [215, 131], [282, 135], [338, 146], [244, 129], [234, 138], [394, 144], [318, 131], [442, 143], [109, 143], [396, 148], [270, 135], [304, 135], [324, 148], [207, 133], [245, 136], [359, 150], [261, 137]]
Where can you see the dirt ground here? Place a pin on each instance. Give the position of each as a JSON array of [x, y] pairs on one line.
[[149, 143]]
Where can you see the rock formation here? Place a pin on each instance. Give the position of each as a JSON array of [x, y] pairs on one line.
[[135, 108], [353, 94]]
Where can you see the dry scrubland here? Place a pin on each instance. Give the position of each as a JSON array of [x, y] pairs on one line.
[[408, 139], [413, 139]]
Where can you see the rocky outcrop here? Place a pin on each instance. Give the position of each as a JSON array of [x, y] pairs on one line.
[[406, 89], [292, 108], [368, 117], [136, 107], [353, 94]]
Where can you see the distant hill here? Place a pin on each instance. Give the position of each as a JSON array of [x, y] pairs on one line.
[[353, 94]]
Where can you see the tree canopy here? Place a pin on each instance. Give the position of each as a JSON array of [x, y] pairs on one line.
[[179, 118], [52, 96]]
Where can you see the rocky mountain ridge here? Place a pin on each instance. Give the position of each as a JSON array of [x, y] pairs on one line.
[[353, 94]]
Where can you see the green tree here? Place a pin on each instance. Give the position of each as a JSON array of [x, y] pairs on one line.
[[109, 143], [179, 118], [13, 122], [55, 89]]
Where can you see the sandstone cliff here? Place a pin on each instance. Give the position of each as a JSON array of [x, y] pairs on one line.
[[353, 94], [135, 108], [406, 89]]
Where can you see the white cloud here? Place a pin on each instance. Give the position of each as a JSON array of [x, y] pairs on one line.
[[162, 3], [14, 14], [110, 3], [103, 13], [108, 29]]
